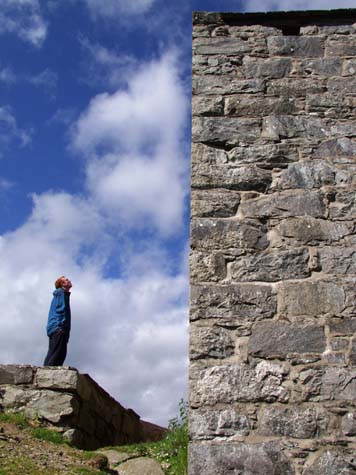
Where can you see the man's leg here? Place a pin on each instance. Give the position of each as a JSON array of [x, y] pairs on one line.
[[57, 349]]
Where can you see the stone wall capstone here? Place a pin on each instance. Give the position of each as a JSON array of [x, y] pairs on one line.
[[74, 403], [273, 244]]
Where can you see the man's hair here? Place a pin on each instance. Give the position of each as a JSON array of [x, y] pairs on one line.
[[58, 282]]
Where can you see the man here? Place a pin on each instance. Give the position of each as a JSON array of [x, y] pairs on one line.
[[58, 325]]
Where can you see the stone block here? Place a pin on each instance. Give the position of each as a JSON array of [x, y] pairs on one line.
[[271, 266], [349, 67], [308, 230], [251, 459], [342, 85], [207, 266], [310, 299], [254, 105], [224, 234], [342, 326], [271, 68], [282, 340], [240, 178], [227, 384], [210, 342], [284, 205], [16, 397], [332, 383], [141, 465], [340, 46], [52, 406], [218, 203], [300, 422], [330, 105], [217, 65], [233, 305], [59, 378], [338, 260], [279, 127], [213, 423], [348, 424], [210, 105], [229, 45], [226, 131], [327, 30], [307, 174], [341, 150], [291, 87], [222, 85], [16, 374], [299, 46], [322, 67], [332, 462], [343, 206]]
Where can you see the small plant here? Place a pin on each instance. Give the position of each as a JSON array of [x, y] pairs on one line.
[[49, 435], [17, 418]]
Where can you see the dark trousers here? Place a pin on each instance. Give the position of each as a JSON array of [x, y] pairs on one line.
[[57, 348]]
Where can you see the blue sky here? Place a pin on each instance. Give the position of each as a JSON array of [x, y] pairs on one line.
[[94, 184]]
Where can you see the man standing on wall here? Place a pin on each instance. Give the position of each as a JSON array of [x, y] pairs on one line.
[[58, 325]]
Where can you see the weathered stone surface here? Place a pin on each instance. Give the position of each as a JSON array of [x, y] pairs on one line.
[[271, 266], [214, 203], [338, 260], [278, 340], [141, 465], [352, 358], [307, 174], [230, 45], [217, 64], [329, 384], [296, 46], [308, 230], [340, 150], [301, 422], [312, 298], [241, 178], [273, 68], [349, 67], [284, 126], [332, 462], [348, 424], [343, 206], [215, 84], [287, 204], [228, 384], [211, 105], [59, 378], [233, 305], [16, 374], [296, 87], [324, 67], [251, 459], [343, 326], [330, 105], [327, 30], [249, 105], [211, 342], [224, 234], [52, 406], [208, 266], [208, 424], [228, 131], [340, 46], [342, 86]]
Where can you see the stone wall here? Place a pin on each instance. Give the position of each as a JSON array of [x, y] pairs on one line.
[[74, 403], [273, 244]]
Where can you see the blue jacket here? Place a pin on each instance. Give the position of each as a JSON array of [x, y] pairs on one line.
[[59, 312]]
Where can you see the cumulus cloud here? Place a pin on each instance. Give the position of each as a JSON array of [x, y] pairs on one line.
[[10, 132], [129, 332], [270, 5], [24, 19], [137, 166], [114, 8]]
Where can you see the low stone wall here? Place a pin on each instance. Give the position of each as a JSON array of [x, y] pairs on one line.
[[86, 414]]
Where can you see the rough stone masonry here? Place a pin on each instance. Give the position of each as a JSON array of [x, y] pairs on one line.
[[273, 244]]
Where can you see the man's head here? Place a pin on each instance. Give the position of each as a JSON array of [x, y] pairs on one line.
[[63, 283]]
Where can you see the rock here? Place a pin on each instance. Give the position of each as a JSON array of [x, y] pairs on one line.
[[228, 384], [227, 131], [340, 46], [343, 206], [222, 85], [211, 342], [273, 68], [218, 203], [115, 457], [329, 384], [279, 340], [208, 424], [208, 266], [346, 85], [301, 46], [259, 106], [202, 105], [277, 127], [348, 424], [332, 462], [16, 374], [251, 459], [334, 260], [290, 87], [323, 67], [142, 466], [229, 45], [307, 174], [56, 378], [301, 422]]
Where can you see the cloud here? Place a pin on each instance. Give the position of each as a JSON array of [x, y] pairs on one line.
[[133, 138], [23, 18], [129, 332], [115, 8], [270, 5], [46, 80], [10, 132], [7, 75]]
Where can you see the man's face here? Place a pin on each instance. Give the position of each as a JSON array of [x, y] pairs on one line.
[[66, 284]]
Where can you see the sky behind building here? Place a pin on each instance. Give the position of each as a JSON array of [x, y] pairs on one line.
[[94, 184]]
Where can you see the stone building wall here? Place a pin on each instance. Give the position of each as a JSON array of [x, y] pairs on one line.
[[273, 244], [74, 403]]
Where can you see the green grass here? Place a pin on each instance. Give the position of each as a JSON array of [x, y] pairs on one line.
[[17, 418], [49, 435]]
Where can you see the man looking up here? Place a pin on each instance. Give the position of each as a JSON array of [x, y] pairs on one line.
[[58, 325]]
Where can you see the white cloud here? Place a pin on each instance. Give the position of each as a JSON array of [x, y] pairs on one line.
[[270, 5], [24, 19], [10, 132], [46, 80], [115, 8], [7, 75], [129, 332], [138, 165]]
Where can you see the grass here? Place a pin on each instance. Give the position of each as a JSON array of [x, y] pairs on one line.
[[49, 435], [17, 418]]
